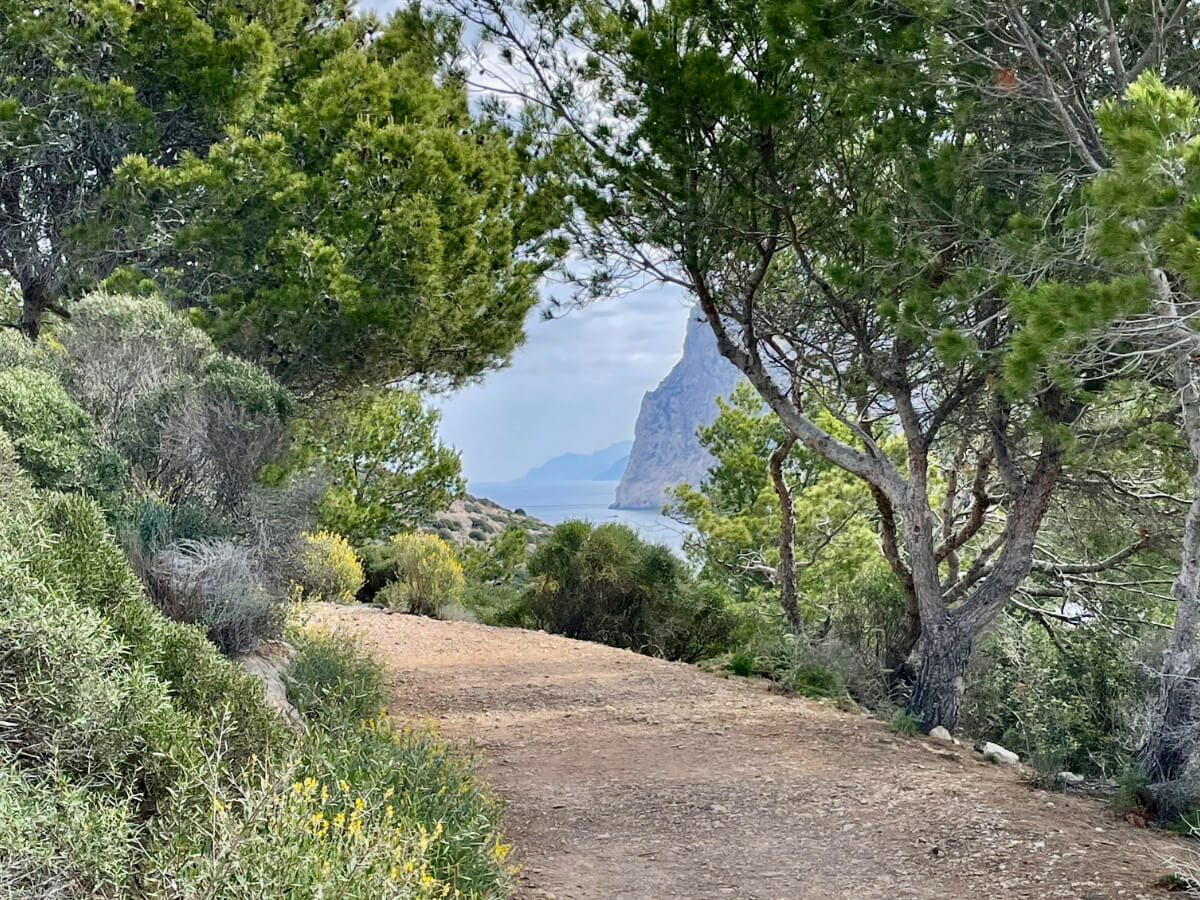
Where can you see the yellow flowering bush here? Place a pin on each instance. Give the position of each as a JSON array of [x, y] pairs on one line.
[[368, 814], [428, 575], [329, 569]]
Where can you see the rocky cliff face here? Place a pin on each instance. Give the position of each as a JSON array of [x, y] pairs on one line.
[[665, 450]]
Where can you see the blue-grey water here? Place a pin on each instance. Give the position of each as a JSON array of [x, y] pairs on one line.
[[558, 501]]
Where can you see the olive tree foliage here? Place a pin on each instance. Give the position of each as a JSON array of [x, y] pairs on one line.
[[805, 172]]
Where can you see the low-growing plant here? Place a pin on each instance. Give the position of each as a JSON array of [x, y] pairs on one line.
[[427, 574], [334, 679], [329, 568], [743, 663], [1132, 792], [77, 557], [501, 605], [905, 723], [360, 813]]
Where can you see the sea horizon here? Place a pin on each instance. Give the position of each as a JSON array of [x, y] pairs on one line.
[[557, 501]]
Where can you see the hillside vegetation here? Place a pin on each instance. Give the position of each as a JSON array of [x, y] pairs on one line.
[[950, 250], [135, 759]]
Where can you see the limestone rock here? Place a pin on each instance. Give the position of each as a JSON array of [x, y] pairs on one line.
[[268, 661], [998, 753], [939, 733], [666, 451]]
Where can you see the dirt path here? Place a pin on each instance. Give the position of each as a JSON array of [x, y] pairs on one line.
[[631, 777]]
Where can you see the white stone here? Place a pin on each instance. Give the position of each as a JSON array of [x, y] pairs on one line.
[[999, 754], [941, 734]]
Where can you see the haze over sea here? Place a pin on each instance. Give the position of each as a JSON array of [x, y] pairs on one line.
[[558, 501]]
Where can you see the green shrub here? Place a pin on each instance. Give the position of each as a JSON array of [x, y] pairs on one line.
[[16, 350], [15, 484], [427, 574], [371, 812], [1132, 793], [83, 561], [501, 605], [72, 704], [329, 569], [743, 663], [904, 723], [53, 437], [62, 841], [333, 678], [605, 584]]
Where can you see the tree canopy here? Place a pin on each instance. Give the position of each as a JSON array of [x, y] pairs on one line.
[[824, 179], [310, 181]]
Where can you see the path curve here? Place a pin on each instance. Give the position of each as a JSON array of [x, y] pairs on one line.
[[629, 777]]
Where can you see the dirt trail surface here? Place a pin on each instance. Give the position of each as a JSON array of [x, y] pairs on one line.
[[628, 777]]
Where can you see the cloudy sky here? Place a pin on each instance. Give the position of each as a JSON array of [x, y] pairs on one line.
[[575, 386]]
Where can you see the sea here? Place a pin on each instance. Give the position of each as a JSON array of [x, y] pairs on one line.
[[558, 501]]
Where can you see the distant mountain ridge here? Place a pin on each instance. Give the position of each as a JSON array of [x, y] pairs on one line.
[[603, 465], [666, 451]]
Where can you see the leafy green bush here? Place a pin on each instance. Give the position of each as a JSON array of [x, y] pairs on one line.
[[53, 437], [16, 350], [425, 573], [371, 812], [71, 704], [57, 840], [333, 678], [743, 663], [501, 605], [605, 584], [329, 568]]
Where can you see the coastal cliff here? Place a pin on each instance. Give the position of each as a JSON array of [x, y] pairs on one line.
[[666, 451]]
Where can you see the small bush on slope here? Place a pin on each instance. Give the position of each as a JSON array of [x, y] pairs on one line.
[[605, 584], [217, 585], [333, 679], [53, 437], [329, 568], [422, 570]]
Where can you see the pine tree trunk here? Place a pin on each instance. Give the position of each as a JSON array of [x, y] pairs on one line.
[[1175, 722], [36, 299], [941, 680], [786, 573]]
